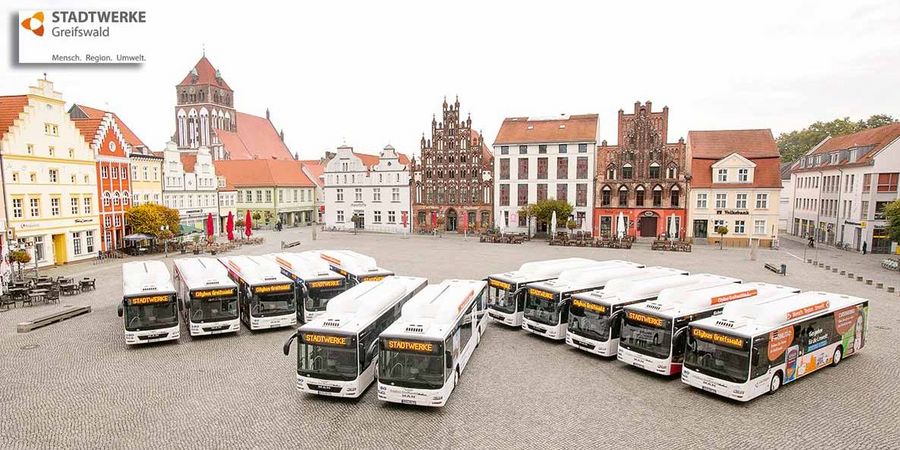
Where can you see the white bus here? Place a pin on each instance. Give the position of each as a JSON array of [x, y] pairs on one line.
[[506, 291], [424, 352], [208, 296], [547, 302], [337, 352], [753, 349], [356, 267], [149, 306], [267, 298], [595, 318], [654, 333], [314, 281]]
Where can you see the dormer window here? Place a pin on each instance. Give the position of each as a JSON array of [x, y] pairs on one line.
[[722, 176], [743, 175]]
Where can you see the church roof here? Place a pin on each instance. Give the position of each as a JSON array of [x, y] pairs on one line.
[[206, 74], [255, 138]]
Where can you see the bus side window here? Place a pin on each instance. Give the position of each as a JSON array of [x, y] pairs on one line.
[[616, 326], [448, 344], [564, 310], [520, 301], [759, 357]]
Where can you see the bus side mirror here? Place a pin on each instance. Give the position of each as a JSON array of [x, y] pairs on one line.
[[119, 310], [287, 345], [448, 358]]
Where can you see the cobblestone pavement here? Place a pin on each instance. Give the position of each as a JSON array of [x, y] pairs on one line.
[[76, 385]]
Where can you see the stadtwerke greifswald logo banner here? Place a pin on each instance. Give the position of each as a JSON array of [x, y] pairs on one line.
[[82, 36]]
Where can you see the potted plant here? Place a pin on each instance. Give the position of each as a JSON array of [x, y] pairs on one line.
[[20, 257], [721, 231]]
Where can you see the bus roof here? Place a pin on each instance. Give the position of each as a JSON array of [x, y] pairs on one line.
[[355, 308], [684, 300], [353, 262], [255, 270], [434, 311], [305, 265], [542, 270], [200, 273], [754, 318], [144, 277], [595, 276], [646, 284]]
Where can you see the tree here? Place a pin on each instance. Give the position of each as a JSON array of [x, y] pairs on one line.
[[149, 218], [721, 231], [892, 214], [571, 225], [20, 257], [792, 145], [543, 210]]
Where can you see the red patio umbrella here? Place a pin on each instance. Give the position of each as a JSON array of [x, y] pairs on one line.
[[433, 219], [248, 225], [229, 226], [465, 221], [209, 225]]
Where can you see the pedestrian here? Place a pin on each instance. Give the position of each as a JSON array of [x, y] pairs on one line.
[[865, 245], [812, 243]]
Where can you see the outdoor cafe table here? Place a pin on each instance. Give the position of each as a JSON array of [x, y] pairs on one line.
[[38, 294]]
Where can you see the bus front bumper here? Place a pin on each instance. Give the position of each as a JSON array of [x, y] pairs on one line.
[[655, 365], [607, 348], [512, 320], [330, 388], [556, 333], [418, 397], [724, 388], [264, 323], [146, 337], [206, 329]]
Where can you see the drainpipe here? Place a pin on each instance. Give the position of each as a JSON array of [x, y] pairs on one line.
[[5, 215], [838, 218], [821, 184]]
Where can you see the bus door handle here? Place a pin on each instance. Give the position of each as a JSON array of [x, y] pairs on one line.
[[287, 344]]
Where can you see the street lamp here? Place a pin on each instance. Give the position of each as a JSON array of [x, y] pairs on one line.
[[164, 232]]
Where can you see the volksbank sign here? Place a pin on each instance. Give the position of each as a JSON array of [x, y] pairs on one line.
[[82, 36]]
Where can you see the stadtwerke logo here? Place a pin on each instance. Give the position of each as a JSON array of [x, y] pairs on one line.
[[35, 23]]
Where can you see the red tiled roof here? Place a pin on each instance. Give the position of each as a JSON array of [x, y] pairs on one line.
[[255, 138], [316, 169], [873, 139], [371, 160], [88, 128], [188, 161], [94, 113], [206, 74], [766, 175], [523, 130], [91, 113], [487, 156], [717, 144], [10, 107], [262, 172]]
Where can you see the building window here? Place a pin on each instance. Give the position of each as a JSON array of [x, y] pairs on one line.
[[51, 129], [340, 216], [563, 148], [54, 206], [721, 201], [654, 170], [76, 243], [281, 196], [504, 149], [657, 196], [759, 227], [54, 175], [104, 172], [29, 149], [357, 195], [582, 148], [87, 205], [33, 177], [258, 196], [523, 149], [627, 171], [89, 241], [504, 168], [674, 200], [268, 196], [124, 173], [762, 201], [376, 217], [672, 172], [542, 168], [504, 195], [115, 198], [392, 217], [395, 194], [718, 223], [722, 176], [117, 221], [887, 182], [115, 173], [867, 182], [623, 196], [739, 227], [523, 195], [605, 196], [639, 196], [740, 201], [376, 195], [74, 204], [523, 169], [35, 207], [743, 175], [562, 168], [542, 149], [541, 192], [701, 201], [15, 177], [562, 192], [581, 168], [17, 208], [581, 194]]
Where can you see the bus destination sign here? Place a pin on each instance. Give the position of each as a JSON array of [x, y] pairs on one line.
[[540, 293], [578, 303], [718, 338], [325, 339], [499, 284], [410, 346], [374, 278], [644, 319], [272, 288], [325, 283], [148, 299], [212, 293]]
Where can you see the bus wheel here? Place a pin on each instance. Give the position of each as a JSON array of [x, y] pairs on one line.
[[837, 357], [775, 383]]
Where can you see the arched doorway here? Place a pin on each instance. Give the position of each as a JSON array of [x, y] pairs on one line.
[[647, 224], [452, 220]]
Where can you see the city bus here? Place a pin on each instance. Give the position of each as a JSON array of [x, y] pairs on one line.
[[547, 302], [595, 317], [149, 306], [337, 352], [314, 282], [753, 349], [267, 298], [506, 291], [422, 354], [208, 296], [654, 333], [356, 267]]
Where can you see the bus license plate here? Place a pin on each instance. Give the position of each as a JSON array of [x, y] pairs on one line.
[[708, 389], [408, 402]]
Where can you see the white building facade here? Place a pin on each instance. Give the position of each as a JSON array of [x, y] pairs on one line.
[[841, 187], [191, 190], [373, 189], [537, 159]]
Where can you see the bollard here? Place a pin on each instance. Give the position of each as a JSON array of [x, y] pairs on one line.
[[850, 275], [891, 289], [868, 282], [858, 278], [879, 285], [843, 272], [827, 267], [834, 270], [809, 260]]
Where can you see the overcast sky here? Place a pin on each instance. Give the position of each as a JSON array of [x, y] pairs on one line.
[[373, 72]]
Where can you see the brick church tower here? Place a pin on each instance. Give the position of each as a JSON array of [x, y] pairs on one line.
[[204, 102]]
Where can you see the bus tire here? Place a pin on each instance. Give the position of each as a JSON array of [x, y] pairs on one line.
[[775, 382], [838, 356]]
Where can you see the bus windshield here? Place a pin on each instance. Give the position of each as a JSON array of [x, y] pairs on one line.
[[718, 355], [318, 298], [646, 334], [589, 320], [541, 309], [501, 299], [150, 316], [328, 357], [214, 309], [418, 365], [272, 304]]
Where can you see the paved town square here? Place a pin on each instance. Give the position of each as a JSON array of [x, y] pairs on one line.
[[75, 384]]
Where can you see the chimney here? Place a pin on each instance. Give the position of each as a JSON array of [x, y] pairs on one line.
[[267, 115], [281, 134]]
